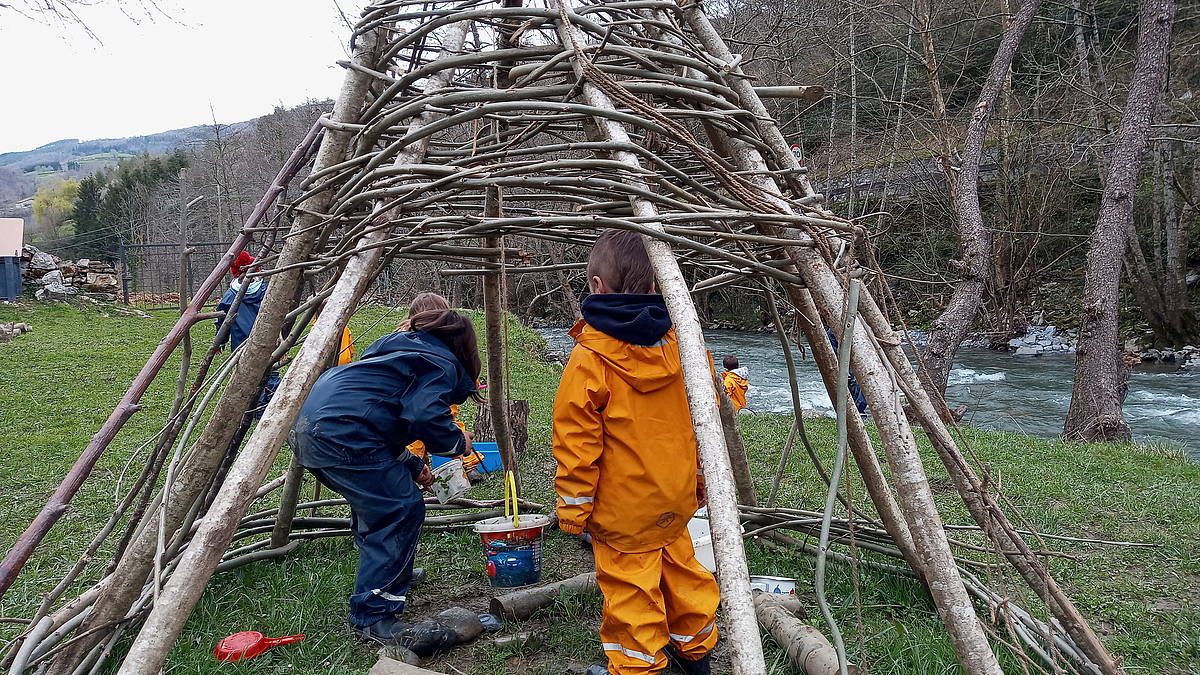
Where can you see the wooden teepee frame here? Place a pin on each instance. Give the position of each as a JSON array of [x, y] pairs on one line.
[[461, 122]]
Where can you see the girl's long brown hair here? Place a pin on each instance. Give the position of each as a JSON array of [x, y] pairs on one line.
[[458, 334], [423, 302]]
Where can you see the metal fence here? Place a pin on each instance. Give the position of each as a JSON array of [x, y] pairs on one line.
[[150, 272]]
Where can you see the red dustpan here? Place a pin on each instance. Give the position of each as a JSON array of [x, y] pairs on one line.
[[249, 644]]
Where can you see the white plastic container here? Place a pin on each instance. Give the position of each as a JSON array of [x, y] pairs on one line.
[[778, 585], [701, 534], [450, 481]]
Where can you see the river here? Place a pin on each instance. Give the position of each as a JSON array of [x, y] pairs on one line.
[[1001, 391]]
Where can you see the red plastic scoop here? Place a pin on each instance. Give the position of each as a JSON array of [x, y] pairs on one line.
[[249, 644]]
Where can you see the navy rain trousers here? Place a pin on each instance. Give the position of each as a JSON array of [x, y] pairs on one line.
[[387, 511]]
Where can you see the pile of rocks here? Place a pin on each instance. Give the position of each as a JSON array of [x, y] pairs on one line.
[[9, 331], [1187, 357], [1040, 340], [58, 279], [920, 338]]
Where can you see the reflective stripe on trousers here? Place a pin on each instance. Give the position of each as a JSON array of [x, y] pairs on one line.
[[652, 599], [688, 638], [614, 647]]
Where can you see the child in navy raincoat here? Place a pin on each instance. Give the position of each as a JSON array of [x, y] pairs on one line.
[[248, 308], [352, 432]]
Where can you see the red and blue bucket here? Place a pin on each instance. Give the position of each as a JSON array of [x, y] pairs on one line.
[[513, 551]]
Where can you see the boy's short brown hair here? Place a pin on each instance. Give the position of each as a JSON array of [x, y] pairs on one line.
[[619, 258], [730, 362]]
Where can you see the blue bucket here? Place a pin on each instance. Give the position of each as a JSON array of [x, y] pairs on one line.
[[491, 457]]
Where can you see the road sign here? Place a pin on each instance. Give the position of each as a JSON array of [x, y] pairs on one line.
[[798, 152]]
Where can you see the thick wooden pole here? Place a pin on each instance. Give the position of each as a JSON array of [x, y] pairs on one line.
[[743, 636], [197, 565], [915, 496], [124, 585], [56, 506], [493, 293]]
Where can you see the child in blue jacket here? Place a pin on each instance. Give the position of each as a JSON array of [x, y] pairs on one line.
[[352, 433]]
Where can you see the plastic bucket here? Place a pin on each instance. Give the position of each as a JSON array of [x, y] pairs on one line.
[[777, 585], [450, 481], [701, 535], [513, 554]]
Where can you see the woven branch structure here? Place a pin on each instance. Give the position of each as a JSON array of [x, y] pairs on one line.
[[462, 129]]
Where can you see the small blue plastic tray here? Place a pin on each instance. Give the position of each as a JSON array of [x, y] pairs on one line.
[[491, 457]]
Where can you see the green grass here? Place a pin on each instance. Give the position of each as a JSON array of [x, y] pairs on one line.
[[58, 384]]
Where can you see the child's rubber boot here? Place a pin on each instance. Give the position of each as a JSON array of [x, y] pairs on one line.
[[418, 576], [597, 670], [423, 639], [701, 666]]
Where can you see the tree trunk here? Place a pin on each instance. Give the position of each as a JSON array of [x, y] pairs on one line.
[[974, 237], [1100, 376], [1161, 288], [736, 446], [518, 425]]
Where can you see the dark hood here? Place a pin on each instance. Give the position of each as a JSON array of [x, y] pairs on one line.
[[635, 318], [406, 344]]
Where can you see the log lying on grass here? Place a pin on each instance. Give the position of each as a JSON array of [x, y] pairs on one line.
[[807, 649], [523, 603]]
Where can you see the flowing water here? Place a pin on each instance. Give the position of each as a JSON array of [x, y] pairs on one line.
[[1001, 391]]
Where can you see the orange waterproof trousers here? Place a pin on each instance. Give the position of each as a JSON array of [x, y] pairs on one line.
[[652, 599]]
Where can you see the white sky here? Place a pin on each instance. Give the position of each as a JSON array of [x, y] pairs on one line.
[[140, 75]]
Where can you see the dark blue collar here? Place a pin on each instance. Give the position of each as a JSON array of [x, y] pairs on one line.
[[635, 318]]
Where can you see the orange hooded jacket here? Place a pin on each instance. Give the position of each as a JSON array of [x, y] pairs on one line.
[[624, 442], [736, 385]]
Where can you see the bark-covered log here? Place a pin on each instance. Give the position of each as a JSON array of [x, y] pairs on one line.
[[807, 648], [522, 604], [518, 425]]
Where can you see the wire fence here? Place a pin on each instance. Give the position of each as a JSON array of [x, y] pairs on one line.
[[150, 272]]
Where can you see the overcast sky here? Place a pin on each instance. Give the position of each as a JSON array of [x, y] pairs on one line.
[[141, 75]]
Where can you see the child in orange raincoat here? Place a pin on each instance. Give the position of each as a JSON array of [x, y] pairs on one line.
[[428, 302], [735, 382], [628, 470]]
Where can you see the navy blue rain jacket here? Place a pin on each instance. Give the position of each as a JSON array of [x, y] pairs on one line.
[[366, 412], [247, 311]]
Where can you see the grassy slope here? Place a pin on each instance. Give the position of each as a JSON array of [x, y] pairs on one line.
[[58, 383]]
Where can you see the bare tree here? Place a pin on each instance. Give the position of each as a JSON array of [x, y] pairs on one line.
[[1100, 375], [975, 239], [1158, 259]]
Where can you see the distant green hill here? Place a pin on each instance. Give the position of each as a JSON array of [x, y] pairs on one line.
[[69, 149], [73, 158]]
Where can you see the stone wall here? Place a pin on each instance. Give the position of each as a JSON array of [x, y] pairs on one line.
[[57, 279]]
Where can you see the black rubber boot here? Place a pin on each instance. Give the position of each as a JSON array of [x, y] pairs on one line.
[[423, 639], [701, 666], [418, 576]]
